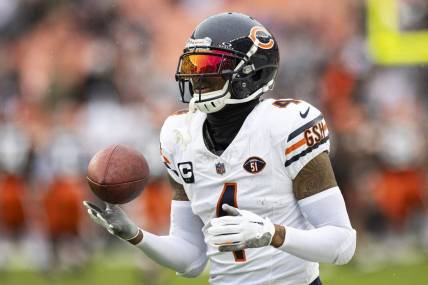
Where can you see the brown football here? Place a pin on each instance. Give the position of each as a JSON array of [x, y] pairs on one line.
[[117, 174]]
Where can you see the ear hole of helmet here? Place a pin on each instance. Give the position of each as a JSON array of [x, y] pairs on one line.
[[244, 86], [257, 75], [241, 88]]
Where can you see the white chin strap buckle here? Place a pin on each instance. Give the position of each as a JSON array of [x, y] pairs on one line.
[[211, 106], [214, 105]]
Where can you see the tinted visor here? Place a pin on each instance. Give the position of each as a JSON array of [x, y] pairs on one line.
[[212, 62], [208, 84]]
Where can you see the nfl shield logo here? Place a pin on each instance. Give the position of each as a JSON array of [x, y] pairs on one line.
[[219, 168]]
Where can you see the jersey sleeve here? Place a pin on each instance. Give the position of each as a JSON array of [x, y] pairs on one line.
[[307, 137], [168, 147]]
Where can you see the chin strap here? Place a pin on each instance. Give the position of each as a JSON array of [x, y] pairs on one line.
[[213, 101], [182, 135]]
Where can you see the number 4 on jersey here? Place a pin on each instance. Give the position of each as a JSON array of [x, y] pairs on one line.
[[228, 196]]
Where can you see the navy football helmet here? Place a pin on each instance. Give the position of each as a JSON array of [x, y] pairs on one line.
[[229, 59]]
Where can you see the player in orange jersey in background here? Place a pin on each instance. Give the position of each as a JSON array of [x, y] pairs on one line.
[[63, 221], [12, 196]]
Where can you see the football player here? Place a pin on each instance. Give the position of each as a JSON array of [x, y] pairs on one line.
[[254, 189]]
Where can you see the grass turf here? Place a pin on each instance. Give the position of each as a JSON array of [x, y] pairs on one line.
[[106, 275]]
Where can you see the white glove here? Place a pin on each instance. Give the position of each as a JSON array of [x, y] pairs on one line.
[[116, 222], [242, 229]]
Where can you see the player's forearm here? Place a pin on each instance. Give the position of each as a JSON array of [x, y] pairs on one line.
[[328, 244], [184, 249], [333, 240], [173, 252]]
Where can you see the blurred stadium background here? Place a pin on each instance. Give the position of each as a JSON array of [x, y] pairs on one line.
[[79, 75]]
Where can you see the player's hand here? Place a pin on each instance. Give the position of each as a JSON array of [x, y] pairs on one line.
[[114, 219], [242, 229]]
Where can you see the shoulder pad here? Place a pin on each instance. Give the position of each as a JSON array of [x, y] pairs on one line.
[[300, 130], [283, 116], [167, 135]]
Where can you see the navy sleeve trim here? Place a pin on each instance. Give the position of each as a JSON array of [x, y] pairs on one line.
[[304, 127], [305, 152], [167, 166]]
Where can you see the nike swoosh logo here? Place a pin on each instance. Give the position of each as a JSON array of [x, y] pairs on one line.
[[305, 114]]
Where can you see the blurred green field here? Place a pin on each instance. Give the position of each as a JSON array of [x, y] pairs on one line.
[[105, 275]]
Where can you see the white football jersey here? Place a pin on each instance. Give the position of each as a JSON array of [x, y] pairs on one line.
[[254, 173]]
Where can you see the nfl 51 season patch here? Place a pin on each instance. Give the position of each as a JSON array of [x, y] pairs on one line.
[[254, 164]]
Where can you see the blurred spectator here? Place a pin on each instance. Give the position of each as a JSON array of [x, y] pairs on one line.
[[154, 206], [14, 154], [62, 206]]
